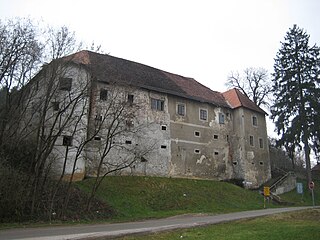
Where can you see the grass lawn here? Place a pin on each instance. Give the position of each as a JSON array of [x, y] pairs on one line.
[[135, 198], [287, 226]]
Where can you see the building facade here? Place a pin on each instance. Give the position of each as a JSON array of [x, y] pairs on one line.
[[120, 117]]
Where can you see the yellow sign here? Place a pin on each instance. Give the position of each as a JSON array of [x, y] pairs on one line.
[[266, 191]]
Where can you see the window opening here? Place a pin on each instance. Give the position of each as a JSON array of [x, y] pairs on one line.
[[164, 127], [221, 118], [103, 94], [65, 84], [251, 141], [163, 146], [197, 151], [261, 142], [215, 136], [55, 106], [203, 114], [157, 104], [254, 121], [197, 133], [181, 109], [67, 141], [130, 99]]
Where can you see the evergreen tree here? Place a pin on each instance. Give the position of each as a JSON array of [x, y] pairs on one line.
[[296, 91]]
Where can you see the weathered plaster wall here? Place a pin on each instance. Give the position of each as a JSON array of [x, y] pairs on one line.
[[147, 141], [252, 156], [199, 148]]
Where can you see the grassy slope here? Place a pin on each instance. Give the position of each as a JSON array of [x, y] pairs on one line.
[[152, 197]]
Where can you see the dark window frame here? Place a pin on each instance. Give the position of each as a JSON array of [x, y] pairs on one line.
[[65, 84], [67, 141], [103, 94]]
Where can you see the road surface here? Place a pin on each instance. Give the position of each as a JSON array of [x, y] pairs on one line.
[[98, 231]]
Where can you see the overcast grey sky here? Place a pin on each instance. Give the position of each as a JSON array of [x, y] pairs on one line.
[[202, 39]]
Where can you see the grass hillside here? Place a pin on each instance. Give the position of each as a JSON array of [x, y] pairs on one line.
[[152, 197]]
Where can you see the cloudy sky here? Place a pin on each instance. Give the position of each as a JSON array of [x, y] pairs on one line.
[[202, 39]]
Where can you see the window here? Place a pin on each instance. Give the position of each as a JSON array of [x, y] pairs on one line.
[[130, 99], [55, 106], [197, 151], [221, 118], [65, 84], [98, 118], [197, 133], [254, 121], [260, 142], [216, 153], [129, 123], [203, 114], [164, 127], [215, 136], [128, 142], [157, 104], [97, 138], [103, 94], [67, 141], [163, 146], [251, 141], [181, 109], [261, 163]]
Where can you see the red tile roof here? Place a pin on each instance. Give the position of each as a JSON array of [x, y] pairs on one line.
[[110, 69], [237, 99]]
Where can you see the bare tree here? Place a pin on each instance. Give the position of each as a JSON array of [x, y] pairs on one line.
[[20, 55], [254, 83], [116, 135]]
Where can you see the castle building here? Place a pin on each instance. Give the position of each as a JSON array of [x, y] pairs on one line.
[[107, 115]]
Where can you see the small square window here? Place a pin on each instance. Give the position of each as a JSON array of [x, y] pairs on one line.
[[67, 141], [55, 106], [251, 141], [261, 163], [98, 118], [221, 118], [129, 123], [164, 127], [215, 136], [65, 84], [216, 153], [181, 109], [128, 142], [254, 121], [203, 114], [97, 138], [197, 133], [197, 151], [103, 94], [130, 99], [157, 104]]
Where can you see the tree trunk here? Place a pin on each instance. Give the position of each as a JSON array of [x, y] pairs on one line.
[[307, 158]]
